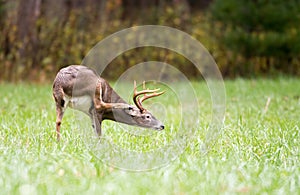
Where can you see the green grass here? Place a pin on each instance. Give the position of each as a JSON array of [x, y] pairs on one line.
[[256, 153]]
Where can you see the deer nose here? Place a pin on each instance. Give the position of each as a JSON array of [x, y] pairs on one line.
[[162, 127]]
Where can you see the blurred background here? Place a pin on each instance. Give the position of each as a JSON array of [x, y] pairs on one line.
[[247, 38]]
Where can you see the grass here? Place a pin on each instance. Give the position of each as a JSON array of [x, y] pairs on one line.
[[256, 153]]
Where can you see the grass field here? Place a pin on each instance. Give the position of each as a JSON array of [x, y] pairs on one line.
[[257, 152]]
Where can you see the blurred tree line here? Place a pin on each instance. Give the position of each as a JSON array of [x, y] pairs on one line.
[[245, 37], [261, 36]]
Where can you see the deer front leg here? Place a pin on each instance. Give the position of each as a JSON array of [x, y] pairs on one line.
[[106, 106], [96, 121], [101, 106]]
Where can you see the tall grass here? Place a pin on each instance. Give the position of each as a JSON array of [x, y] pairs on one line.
[[257, 151]]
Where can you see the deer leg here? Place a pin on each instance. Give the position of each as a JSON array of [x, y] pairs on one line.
[[96, 121], [100, 105], [105, 106], [61, 105], [59, 116]]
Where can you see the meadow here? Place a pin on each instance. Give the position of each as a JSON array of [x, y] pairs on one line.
[[257, 151]]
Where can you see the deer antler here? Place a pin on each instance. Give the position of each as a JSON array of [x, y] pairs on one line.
[[148, 93]]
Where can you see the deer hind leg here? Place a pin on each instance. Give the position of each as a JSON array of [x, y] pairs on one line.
[[61, 105], [59, 116]]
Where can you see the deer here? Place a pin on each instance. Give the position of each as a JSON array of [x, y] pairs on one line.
[[81, 88]]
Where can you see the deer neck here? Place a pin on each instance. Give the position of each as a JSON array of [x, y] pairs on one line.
[[109, 95]]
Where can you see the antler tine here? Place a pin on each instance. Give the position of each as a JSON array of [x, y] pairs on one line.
[[138, 101], [137, 93], [135, 97], [151, 95]]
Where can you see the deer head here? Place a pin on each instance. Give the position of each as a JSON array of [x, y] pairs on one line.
[[138, 116]]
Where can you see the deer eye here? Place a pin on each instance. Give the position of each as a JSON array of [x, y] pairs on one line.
[[147, 116]]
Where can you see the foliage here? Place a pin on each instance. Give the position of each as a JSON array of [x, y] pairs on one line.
[[260, 29], [62, 33], [245, 37], [257, 153]]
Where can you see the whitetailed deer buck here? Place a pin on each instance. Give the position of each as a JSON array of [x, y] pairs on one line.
[[80, 87]]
